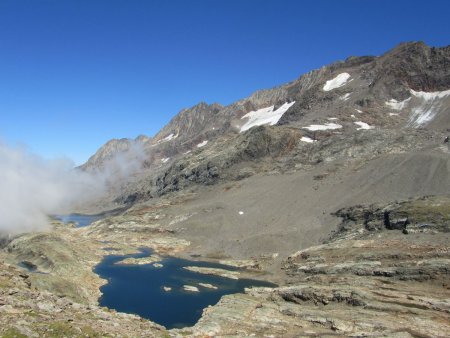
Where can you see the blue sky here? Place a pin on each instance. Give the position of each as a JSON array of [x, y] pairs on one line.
[[76, 73]]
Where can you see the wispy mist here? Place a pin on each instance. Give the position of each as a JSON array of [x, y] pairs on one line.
[[122, 164], [32, 188]]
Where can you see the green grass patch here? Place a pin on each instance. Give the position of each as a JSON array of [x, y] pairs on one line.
[[429, 210], [55, 330], [13, 333], [5, 284]]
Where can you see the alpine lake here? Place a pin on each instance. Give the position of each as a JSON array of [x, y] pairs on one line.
[[163, 292]]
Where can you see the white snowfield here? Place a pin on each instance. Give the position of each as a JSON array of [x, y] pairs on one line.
[[363, 125], [326, 126], [164, 160], [396, 105], [202, 144], [171, 136], [265, 116], [345, 97], [428, 96], [430, 103], [337, 82], [307, 139]]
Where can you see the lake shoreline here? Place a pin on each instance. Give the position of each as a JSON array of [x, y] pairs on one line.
[[185, 293]]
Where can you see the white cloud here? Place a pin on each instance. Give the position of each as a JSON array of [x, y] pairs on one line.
[[33, 188]]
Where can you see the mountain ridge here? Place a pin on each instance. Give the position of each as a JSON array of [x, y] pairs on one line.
[[376, 92], [196, 120]]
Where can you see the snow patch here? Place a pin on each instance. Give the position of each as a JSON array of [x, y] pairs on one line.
[[353, 116], [427, 110], [337, 82], [393, 114], [326, 126], [307, 139], [363, 125], [187, 152], [202, 144], [345, 97], [359, 111], [332, 118], [241, 212], [396, 105], [164, 160], [428, 96], [170, 137], [265, 116]]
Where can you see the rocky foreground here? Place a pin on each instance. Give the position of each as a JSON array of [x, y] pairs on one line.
[[383, 272], [370, 279]]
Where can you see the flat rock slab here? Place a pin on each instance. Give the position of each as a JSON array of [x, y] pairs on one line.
[[208, 286], [214, 271], [190, 288], [141, 261]]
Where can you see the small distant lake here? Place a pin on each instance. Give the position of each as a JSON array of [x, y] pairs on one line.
[[79, 219], [139, 289]]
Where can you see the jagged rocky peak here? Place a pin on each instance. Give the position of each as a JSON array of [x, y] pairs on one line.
[[215, 118], [191, 122], [406, 87], [111, 148], [142, 139], [106, 152], [366, 85], [268, 97], [416, 66]]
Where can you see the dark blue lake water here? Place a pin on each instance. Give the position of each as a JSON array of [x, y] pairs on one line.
[[139, 289], [78, 219]]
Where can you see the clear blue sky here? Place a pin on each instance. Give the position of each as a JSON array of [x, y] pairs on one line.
[[76, 73]]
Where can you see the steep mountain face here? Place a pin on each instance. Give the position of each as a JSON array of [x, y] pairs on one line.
[[189, 123], [366, 98], [107, 152], [372, 82], [110, 152], [415, 66]]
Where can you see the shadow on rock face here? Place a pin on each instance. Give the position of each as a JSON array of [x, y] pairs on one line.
[[5, 239]]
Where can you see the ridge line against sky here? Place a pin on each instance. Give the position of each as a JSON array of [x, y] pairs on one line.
[[76, 73]]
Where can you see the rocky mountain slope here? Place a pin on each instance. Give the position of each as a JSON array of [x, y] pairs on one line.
[[406, 88]]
